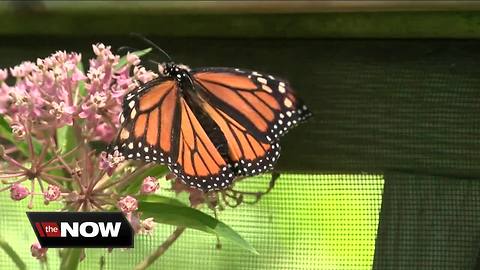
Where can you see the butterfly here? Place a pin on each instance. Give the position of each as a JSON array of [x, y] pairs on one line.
[[210, 125]]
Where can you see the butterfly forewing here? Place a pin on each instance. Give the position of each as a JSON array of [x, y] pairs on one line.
[[159, 126], [148, 117], [253, 111], [266, 106]]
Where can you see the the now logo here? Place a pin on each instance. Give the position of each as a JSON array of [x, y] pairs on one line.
[[76, 229], [81, 229]]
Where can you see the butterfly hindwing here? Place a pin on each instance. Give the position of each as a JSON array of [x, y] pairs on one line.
[[247, 155], [199, 163]]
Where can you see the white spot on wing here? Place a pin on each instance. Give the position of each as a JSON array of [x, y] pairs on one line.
[[262, 80]]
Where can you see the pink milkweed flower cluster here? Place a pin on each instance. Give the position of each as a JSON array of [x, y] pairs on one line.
[[150, 185], [39, 100]]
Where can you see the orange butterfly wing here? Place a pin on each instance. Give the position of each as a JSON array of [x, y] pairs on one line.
[[266, 106], [253, 111], [199, 163], [149, 122], [226, 125], [159, 126]]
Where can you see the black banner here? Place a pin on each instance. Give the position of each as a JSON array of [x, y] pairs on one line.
[[82, 229]]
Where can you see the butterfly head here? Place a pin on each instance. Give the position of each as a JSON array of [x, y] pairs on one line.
[[171, 69], [178, 72]]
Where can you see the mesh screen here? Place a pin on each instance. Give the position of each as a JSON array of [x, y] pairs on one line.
[[428, 222], [307, 222], [379, 106]]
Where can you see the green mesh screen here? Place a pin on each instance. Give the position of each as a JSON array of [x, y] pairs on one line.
[[307, 222], [428, 222]]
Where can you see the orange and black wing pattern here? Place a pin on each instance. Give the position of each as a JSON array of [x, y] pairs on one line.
[[199, 163], [265, 105], [149, 122], [252, 110], [158, 125], [247, 155], [209, 126]]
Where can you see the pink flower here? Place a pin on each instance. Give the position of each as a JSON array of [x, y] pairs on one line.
[[91, 108], [105, 132], [62, 112], [128, 204], [149, 185], [37, 251], [52, 193], [104, 53], [3, 74], [140, 226], [18, 192], [109, 162], [147, 226], [143, 75], [133, 59]]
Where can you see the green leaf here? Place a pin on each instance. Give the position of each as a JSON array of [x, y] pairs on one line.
[[66, 139], [12, 254], [123, 61], [160, 199], [137, 178], [170, 211], [70, 259], [80, 91]]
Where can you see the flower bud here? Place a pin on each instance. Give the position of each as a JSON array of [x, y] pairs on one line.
[[37, 251], [18, 192], [128, 204], [150, 185], [147, 226], [52, 193], [196, 197]]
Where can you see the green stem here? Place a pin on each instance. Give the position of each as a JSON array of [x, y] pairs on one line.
[[70, 259]]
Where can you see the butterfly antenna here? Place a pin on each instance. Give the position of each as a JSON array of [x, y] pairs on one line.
[[148, 41], [126, 48], [153, 62]]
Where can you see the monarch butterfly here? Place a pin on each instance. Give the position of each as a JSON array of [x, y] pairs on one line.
[[208, 125]]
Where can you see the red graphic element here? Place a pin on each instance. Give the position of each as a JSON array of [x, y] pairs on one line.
[[39, 229], [51, 229]]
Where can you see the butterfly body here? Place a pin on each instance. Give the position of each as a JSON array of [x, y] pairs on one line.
[[180, 74], [208, 125]]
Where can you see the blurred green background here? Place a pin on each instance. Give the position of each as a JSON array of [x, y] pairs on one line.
[[393, 86]]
